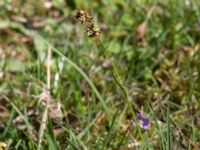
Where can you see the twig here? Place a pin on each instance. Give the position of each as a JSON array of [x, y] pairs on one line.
[[45, 113]]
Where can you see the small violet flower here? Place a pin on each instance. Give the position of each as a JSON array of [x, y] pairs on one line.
[[143, 122]]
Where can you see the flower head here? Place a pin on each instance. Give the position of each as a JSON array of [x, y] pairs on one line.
[[86, 18], [92, 30], [83, 17], [143, 122]]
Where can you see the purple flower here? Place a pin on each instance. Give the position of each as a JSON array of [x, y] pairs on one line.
[[143, 122]]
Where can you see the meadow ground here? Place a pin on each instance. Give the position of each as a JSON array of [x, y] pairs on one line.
[[143, 67]]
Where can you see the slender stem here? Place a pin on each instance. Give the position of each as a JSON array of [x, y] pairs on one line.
[[118, 79], [47, 90]]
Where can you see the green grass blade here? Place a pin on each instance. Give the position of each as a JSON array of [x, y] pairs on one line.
[[104, 105], [109, 138], [50, 137], [168, 127]]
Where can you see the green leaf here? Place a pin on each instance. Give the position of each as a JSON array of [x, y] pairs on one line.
[[12, 65], [40, 48], [50, 137]]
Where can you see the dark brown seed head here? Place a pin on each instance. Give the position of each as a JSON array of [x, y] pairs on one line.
[[83, 17], [92, 30], [86, 18]]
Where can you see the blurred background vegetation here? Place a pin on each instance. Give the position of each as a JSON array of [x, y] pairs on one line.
[[155, 46]]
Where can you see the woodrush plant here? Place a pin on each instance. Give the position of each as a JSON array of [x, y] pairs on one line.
[[93, 31]]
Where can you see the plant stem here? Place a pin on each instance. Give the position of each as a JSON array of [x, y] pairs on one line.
[[118, 79], [47, 90]]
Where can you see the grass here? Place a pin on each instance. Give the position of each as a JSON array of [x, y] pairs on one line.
[[157, 61]]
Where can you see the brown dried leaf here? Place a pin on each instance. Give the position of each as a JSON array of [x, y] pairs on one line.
[[196, 146], [191, 50], [100, 118], [4, 114], [58, 132], [55, 111], [141, 30]]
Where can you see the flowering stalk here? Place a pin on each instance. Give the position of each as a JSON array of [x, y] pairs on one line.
[[93, 31], [118, 79]]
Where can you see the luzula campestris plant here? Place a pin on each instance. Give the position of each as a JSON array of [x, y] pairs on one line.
[[93, 31]]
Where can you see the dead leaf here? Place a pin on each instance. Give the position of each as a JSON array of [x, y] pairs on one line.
[[134, 144], [141, 30], [58, 132], [100, 118], [196, 146], [55, 111], [191, 50]]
